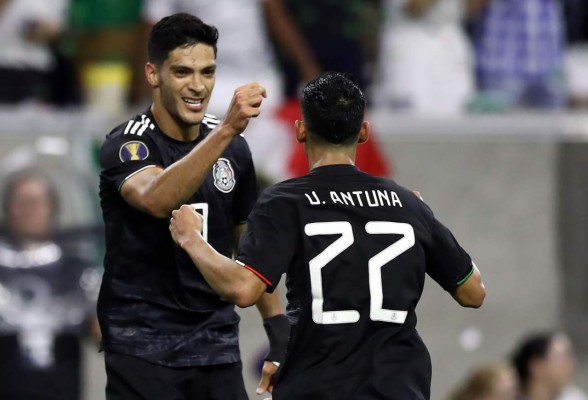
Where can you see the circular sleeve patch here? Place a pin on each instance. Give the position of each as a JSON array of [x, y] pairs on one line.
[[133, 151]]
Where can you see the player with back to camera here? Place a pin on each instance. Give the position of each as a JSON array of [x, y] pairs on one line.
[[167, 334], [355, 249]]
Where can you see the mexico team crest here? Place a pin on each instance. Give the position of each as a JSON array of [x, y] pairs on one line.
[[133, 151], [224, 175]]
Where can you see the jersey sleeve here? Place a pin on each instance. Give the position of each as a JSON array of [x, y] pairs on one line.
[[267, 246], [122, 156], [246, 191], [447, 263]]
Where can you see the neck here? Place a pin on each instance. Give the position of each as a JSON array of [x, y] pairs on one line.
[[170, 127], [540, 392], [319, 156]]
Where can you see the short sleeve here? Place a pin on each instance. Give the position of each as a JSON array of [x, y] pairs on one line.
[[121, 157], [267, 245], [447, 263], [246, 191]]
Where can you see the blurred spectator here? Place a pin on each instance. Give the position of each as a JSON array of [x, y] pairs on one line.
[[28, 30], [315, 36], [426, 63], [519, 55], [47, 296], [576, 16], [545, 365], [488, 382], [107, 44], [576, 62]]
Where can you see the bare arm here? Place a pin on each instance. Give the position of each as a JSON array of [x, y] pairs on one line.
[[281, 26], [159, 191], [269, 304], [472, 292], [229, 279]]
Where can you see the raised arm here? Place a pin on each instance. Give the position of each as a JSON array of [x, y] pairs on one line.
[[158, 191], [285, 32], [471, 292]]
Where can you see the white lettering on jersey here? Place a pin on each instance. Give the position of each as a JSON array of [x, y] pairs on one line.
[[359, 198], [311, 200]]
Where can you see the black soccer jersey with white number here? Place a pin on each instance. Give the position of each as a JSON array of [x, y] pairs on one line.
[[154, 303], [355, 249]]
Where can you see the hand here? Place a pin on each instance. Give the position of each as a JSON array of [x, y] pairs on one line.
[[267, 374], [246, 104], [185, 225], [417, 194]]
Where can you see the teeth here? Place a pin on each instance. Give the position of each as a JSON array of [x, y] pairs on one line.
[[192, 101]]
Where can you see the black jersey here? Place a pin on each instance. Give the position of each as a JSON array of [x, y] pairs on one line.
[[355, 249], [47, 300], [154, 303]]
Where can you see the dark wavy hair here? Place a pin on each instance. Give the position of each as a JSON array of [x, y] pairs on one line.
[[178, 30], [533, 347], [333, 107]]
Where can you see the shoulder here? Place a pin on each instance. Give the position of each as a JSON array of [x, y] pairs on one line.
[[210, 121], [139, 127], [281, 193]]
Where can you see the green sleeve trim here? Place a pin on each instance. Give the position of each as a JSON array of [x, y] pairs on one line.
[[122, 183], [466, 277], [242, 222]]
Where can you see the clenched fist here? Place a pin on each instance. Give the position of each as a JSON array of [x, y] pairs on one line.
[[246, 104], [185, 225]]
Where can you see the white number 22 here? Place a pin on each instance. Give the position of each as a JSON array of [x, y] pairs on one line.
[[375, 264]]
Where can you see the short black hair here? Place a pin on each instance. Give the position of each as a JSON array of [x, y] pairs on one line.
[[178, 30], [532, 347], [333, 107]]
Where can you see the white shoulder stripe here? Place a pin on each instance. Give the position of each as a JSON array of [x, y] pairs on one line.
[[211, 117], [135, 127]]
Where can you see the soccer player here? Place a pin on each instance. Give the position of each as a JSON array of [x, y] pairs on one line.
[[167, 334], [355, 249]]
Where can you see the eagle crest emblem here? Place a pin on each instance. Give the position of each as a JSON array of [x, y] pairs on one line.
[[224, 175]]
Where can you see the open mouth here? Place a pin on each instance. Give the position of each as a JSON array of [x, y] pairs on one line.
[[193, 104]]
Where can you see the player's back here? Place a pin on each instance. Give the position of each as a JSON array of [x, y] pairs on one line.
[[362, 247]]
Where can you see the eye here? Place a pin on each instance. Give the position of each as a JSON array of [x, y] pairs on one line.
[[181, 72]]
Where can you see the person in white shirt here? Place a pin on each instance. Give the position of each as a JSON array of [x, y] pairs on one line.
[[425, 62], [27, 27]]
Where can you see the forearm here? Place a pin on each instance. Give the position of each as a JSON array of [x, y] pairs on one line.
[[283, 29], [174, 185], [269, 305], [229, 279]]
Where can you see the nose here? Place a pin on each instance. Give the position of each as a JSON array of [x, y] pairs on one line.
[[196, 84]]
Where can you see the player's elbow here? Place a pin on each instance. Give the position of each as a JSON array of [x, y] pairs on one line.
[[245, 296], [142, 200], [154, 208], [473, 297]]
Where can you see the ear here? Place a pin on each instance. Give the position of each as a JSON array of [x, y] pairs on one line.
[[300, 131], [364, 132], [151, 75]]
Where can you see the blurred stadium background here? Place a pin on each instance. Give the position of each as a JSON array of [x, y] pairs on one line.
[[510, 180]]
